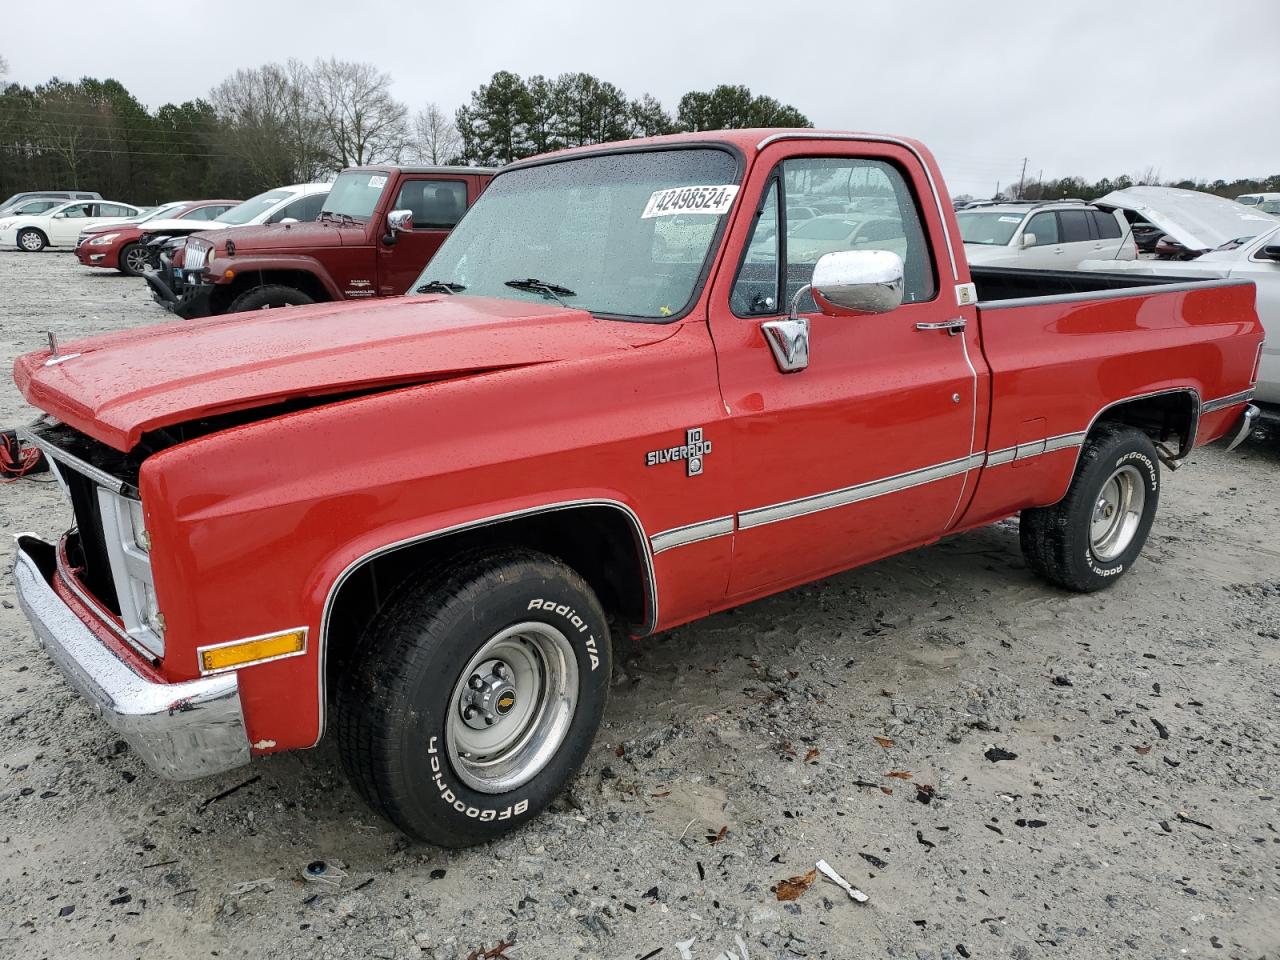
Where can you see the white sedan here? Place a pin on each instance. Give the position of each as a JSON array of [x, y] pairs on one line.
[[60, 226]]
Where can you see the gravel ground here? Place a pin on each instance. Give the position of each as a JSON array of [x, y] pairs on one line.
[[852, 720]]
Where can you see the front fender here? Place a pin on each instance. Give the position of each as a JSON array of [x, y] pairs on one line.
[[241, 265]]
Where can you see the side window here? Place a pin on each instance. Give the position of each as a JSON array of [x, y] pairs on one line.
[[1074, 225], [755, 291], [78, 210], [202, 213], [309, 207], [1108, 226], [1045, 228], [292, 210], [436, 204], [879, 213], [113, 210]]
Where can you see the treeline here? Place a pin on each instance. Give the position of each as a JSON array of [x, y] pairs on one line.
[[296, 122], [1078, 187]]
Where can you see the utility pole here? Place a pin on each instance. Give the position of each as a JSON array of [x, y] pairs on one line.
[[1022, 177], [996, 195]]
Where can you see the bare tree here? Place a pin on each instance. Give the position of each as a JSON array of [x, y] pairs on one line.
[[361, 120], [436, 139], [269, 122], [4, 67]]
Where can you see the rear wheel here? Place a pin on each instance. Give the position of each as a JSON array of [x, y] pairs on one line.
[[473, 697], [133, 259], [32, 240], [269, 296], [1094, 534]]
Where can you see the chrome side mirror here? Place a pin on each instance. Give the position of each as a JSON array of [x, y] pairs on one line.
[[858, 281], [861, 281], [400, 221], [1028, 240], [288, 220]]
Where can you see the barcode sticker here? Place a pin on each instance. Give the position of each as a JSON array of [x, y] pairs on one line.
[[713, 200]]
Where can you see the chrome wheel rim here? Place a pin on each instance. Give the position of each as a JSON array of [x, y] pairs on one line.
[[1117, 513], [31, 241], [511, 708], [136, 259]]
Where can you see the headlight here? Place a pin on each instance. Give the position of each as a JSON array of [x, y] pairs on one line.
[[103, 240], [129, 551]]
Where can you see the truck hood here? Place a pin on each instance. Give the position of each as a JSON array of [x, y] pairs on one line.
[[286, 236], [119, 386], [1198, 221]]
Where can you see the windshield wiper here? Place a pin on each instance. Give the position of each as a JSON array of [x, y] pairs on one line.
[[440, 286], [553, 290]]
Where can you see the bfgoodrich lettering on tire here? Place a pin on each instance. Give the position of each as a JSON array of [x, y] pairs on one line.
[[1095, 533], [473, 697]]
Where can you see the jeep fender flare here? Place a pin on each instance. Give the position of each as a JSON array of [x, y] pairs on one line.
[[287, 263]]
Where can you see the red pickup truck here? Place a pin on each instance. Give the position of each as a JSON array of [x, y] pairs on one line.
[[624, 400], [378, 227]]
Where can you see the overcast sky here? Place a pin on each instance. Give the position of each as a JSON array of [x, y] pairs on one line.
[[1089, 88]]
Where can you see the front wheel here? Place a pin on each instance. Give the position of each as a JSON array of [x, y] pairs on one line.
[[1095, 533], [133, 260], [269, 296], [473, 698], [32, 241]]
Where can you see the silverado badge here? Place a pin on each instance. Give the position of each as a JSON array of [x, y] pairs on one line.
[[692, 452]]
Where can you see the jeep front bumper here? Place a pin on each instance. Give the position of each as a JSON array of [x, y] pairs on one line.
[[182, 731], [190, 302]]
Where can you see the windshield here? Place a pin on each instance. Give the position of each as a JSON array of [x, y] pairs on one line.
[[989, 227], [591, 226], [355, 194], [35, 206], [162, 213], [1269, 206], [242, 214]]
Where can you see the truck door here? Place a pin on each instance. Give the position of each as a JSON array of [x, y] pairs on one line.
[[437, 204], [868, 448]]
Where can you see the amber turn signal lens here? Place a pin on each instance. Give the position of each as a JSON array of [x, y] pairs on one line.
[[256, 650]]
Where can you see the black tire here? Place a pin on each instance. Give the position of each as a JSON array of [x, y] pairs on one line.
[[1059, 541], [268, 296], [395, 693], [132, 259], [32, 240]]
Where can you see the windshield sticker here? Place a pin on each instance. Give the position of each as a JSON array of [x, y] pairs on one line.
[[713, 200], [377, 182], [1010, 219]]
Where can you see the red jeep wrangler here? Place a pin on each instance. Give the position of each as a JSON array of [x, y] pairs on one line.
[[377, 228], [630, 398]]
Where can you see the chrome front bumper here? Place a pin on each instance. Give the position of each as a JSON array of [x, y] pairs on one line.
[[181, 730], [1240, 432]]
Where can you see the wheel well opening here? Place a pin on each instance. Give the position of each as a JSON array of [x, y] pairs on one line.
[[599, 542], [1165, 418], [308, 283]]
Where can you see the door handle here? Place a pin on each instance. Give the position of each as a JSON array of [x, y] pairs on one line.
[[951, 326]]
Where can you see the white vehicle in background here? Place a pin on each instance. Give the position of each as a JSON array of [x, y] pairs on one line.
[[1243, 243], [31, 207], [298, 203], [59, 226], [1257, 199], [811, 239], [1052, 235]]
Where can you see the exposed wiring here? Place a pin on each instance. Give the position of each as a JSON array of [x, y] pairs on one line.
[[16, 461]]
